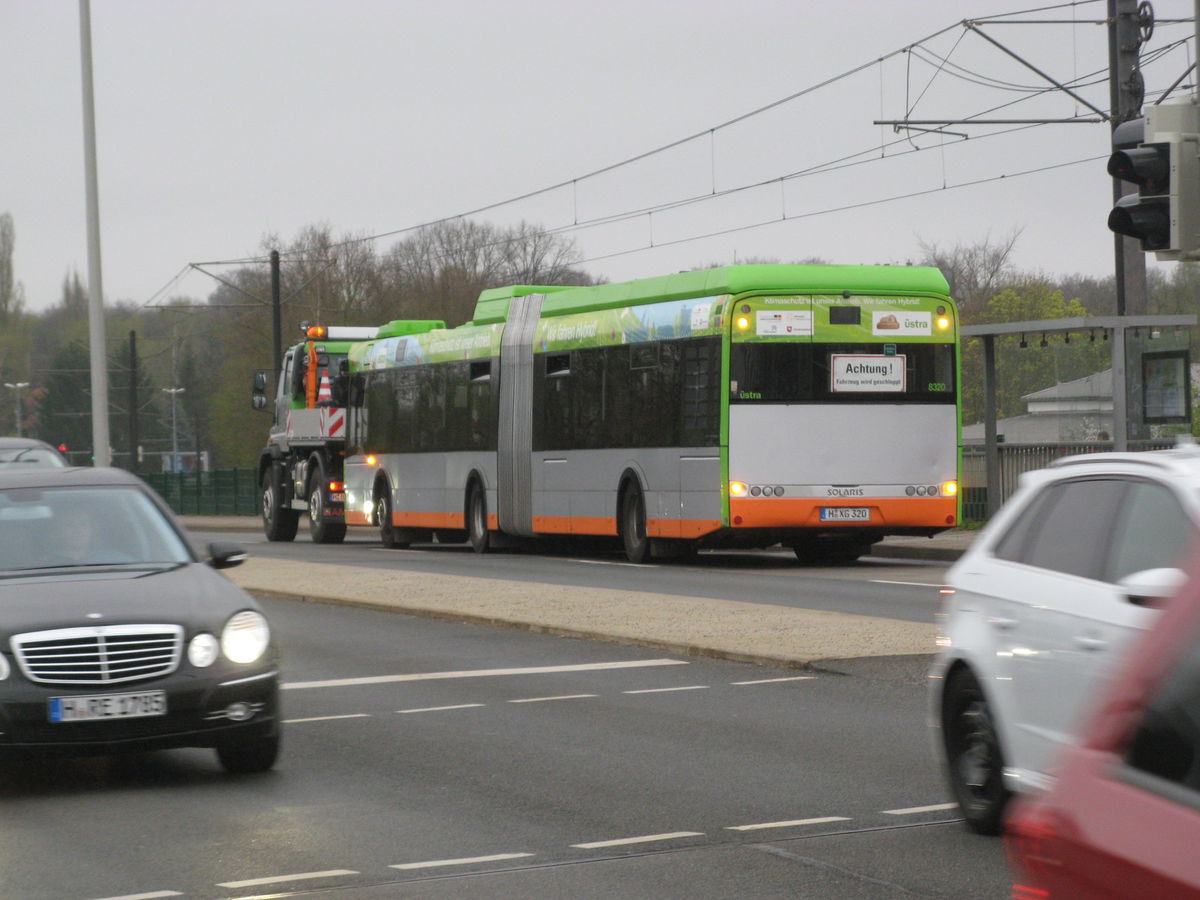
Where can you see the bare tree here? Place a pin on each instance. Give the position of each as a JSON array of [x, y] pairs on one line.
[[975, 272]]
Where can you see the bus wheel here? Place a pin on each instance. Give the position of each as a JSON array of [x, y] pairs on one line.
[[477, 530], [388, 532], [633, 525], [322, 532], [279, 522]]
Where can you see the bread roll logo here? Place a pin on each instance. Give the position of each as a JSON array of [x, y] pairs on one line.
[[888, 322]]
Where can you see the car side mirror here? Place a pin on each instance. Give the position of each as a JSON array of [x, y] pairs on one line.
[[260, 382], [1150, 587], [226, 554], [258, 401]]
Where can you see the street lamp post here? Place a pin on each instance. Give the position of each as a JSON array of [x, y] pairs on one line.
[[17, 402], [174, 431]]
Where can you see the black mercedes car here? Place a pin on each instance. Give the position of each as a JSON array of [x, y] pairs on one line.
[[116, 635]]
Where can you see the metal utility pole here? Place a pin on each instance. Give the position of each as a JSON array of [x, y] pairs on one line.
[[133, 402], [17, 398], [101, 451], [1126, 92], [276, 314], [174, 392]]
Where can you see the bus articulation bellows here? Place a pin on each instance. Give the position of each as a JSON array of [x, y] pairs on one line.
[[744, 406]]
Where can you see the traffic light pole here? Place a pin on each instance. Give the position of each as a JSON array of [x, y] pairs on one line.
[[1126, 101]]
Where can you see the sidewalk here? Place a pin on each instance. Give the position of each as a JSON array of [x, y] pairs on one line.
[[740, 630]]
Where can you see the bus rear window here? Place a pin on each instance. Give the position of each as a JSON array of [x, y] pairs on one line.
[[840, 373]]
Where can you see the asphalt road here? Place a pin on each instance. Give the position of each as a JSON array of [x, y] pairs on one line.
[[429, 759]]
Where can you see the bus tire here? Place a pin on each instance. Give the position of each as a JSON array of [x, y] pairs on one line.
[[279, 522], [389, 534], [633, 524], [477, 530], [321, 531]]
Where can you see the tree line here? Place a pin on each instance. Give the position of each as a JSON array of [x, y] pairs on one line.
[[211, 346]]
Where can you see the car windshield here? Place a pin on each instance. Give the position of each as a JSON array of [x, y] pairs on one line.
[[73, 527], [31, 458]]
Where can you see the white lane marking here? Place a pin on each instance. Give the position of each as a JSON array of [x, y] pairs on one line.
[[151, 896], [466, 861], [913, 810], [793, 823], [644, 839], [440, 708], [544, 699], [909, 583], [327, 718], [777, 680], [611, 562], [279, 879], [482, 673], [690, 687]]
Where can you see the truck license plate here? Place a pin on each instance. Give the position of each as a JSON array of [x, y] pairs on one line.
[[845, 514], [108, 706]]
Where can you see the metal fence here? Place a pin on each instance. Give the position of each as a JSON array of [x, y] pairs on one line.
[[220, 492], [1015, 460], [234, 492]]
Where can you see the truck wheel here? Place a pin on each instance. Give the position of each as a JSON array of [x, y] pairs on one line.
[[477, 530], [321, 531], [279, 522], [389, 535], [633, 524]]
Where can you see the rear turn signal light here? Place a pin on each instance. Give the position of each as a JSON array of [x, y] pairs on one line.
[[371, 460], [943, 322], [335, 486], [950, 489], [737, 489]]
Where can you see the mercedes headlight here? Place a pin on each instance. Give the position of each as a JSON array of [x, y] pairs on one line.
[[245, 637]]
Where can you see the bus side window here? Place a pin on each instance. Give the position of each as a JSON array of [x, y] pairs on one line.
[[558, 364]]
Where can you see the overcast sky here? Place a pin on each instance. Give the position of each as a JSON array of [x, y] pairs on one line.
[[224, 121]]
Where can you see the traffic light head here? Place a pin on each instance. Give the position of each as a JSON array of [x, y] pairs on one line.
[[1160, 155]]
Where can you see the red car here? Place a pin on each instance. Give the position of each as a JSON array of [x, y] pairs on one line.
[[1123, 817]]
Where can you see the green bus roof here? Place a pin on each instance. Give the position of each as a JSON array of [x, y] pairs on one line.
[[492, 305]]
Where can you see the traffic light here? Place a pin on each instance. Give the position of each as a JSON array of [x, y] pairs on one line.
[[1161, 155]]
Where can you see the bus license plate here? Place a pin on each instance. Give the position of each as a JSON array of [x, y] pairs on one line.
[[845, 514], [108, 706]]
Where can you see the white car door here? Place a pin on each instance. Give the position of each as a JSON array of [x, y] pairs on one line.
[[1059, 564]]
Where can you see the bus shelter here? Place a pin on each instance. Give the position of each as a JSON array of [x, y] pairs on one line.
[[1155, 385]]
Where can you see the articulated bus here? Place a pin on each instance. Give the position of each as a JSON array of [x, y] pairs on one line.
[[747, 406]]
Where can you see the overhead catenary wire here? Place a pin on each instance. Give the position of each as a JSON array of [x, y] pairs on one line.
[[916, 49]]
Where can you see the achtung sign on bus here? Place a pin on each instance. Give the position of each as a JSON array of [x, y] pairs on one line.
[[866, 373]]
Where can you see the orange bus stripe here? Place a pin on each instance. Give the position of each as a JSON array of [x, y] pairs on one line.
[[895, 512]]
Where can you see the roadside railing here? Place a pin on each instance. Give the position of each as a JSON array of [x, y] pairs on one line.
[[234, 492], [220, 492], [1017, 459]]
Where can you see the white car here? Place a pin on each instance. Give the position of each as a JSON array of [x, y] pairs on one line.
[[1040, 608]]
